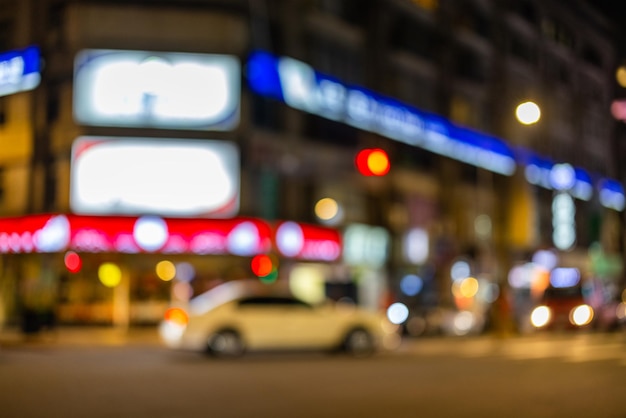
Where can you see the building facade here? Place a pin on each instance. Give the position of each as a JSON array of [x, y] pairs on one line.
[[457, 68]]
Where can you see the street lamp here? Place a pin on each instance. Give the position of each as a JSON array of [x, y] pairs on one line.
[[528, 113]]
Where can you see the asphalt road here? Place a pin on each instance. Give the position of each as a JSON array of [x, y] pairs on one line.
[[573, 375]]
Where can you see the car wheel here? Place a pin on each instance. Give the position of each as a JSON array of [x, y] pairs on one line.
[[226, 344], [359, 343]]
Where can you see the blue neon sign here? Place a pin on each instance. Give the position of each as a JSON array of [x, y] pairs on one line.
[[612, 194], [301, 87], [19, 70]]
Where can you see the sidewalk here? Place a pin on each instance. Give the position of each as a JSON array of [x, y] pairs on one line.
[[81, 336]]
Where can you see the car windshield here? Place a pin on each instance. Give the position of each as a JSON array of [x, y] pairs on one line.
[[563, 292], [273, 301], [227, 292]]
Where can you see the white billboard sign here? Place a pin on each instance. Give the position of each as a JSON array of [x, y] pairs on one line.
[[168, 177], [156, 89]]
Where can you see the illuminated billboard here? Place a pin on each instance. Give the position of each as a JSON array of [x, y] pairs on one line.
[[48, 233], [156, 90], [169, 177], [19, 70]]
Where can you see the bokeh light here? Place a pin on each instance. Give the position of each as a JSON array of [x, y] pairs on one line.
[[185, 272], [261, 265], [540, 316], [411, 284], [460, 270], [468, 287], [73, 262], [182, 291], [397, 313], [165, 270], [372, 162], [328, 210], [528, 113], [463, 322], [581, 315], [177, 316], [109, 274], [307, 283]]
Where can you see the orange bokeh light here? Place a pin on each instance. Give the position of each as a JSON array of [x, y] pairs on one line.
[[372, 162], [261, 265], [177, 316]]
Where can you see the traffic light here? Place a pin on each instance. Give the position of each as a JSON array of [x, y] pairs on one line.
[[372, 162], [265, 267]]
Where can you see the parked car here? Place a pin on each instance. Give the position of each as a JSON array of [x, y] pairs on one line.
[[247, 315], [562, 308]]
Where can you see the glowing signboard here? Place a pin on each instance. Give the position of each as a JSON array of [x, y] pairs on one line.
[[172, 177], [307, 242], [156, 89], [612, 194], [19, 70], [125, 234], [366, 245], [301, 87], [543, 172], [563, 221]]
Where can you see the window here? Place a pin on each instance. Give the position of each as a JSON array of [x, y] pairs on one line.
[[470, 66], [272, 301], [267, 113], [469, 18], [557, 32], [592, 57], [6, 34], [521, 48], [354, 12], [329, 58], [411, 89], [411, 36], [557, 71], [329, 131]]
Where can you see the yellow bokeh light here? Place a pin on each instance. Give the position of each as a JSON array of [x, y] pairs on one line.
[[468, 287], [109, 274], [326, 209], [378, 163], [528, 113], [166, 270]]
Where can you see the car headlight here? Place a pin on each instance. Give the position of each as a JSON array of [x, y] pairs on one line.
[[581, 315], [540, 316], [173, 325]]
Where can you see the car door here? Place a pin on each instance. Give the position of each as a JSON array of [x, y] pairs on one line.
[[262, 320], [309, 326]]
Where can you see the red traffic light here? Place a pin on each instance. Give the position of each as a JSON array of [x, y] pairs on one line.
[[372, 162]]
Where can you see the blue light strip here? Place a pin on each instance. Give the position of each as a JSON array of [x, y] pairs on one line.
[[611, 194], [301, 87], [19, 70]]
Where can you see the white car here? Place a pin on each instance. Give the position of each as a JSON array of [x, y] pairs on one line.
[[244, 315]]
